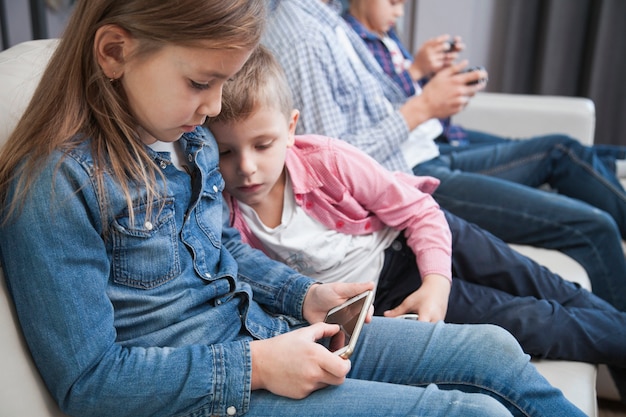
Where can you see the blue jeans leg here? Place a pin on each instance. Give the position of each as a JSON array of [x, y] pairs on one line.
[[549, 316], [397, 361], [519, 213], [609, 153], [563, 163], [493, 284], [478, 139]]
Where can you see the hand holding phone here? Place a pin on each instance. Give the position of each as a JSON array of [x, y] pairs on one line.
[[475, 68], [350, 316]]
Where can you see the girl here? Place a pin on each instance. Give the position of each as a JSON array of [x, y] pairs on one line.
[[133, 298]]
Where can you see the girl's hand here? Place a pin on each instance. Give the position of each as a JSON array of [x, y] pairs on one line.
[[293, 365], [321, 298], [430, 301]]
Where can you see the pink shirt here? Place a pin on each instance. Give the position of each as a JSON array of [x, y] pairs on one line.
[[348, 191]]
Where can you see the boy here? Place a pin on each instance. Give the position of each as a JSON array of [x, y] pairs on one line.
[[328, 210], [374, 21], [342, 92]]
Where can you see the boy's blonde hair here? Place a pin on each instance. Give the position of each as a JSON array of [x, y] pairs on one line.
[[76, 102], [260, 82]]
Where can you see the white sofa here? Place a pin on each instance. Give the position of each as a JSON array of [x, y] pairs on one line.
[[22, 392], [521, 116]]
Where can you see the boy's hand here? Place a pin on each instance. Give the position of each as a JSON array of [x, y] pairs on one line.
[[293, 365], [321, 298], [434, 55], [430, 301], [446, 94]]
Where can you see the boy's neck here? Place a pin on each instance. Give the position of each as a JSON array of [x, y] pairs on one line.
[[359, 16], [270, 210]]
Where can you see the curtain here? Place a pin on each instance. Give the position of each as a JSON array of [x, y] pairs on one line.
[[571, 48]]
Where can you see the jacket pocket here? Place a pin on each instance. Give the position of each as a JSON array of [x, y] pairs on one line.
[[145, 253]]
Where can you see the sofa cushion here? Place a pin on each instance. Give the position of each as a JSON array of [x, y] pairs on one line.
[[20, 70]]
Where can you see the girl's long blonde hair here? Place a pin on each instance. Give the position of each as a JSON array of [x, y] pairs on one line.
[[75, 101]]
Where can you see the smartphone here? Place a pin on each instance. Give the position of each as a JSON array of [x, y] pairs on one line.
[[475, 68], [450, 45], [350, 317]]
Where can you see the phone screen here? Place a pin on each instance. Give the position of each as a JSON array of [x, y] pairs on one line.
[[350, 317]]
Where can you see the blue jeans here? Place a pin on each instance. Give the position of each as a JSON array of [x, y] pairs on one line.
[[550, 317], [605, 153], [495, 187], [397, 362]]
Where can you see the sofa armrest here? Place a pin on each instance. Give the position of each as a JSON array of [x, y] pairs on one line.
[[521, 115]]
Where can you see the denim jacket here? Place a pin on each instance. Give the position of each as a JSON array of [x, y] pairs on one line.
[[153, 318]]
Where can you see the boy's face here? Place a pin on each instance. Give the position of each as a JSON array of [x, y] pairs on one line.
[[252, 154], [381, 15]]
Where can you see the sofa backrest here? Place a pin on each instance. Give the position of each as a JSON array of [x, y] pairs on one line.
[[22, 391], [21, 67]]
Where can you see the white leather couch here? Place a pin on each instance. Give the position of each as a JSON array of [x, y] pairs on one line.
[[22, 392], [521, 116]]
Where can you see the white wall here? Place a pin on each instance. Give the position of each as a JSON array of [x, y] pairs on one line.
[[476, 21]]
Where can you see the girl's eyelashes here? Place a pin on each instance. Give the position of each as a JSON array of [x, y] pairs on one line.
[[199, 86]]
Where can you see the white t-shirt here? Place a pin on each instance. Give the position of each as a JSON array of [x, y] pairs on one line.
[[312, 249], [176, 152]]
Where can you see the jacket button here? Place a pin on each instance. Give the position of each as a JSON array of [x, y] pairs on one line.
[[231, 411]]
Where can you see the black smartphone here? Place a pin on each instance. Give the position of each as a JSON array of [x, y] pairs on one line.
[[475, 68], [350, 316]]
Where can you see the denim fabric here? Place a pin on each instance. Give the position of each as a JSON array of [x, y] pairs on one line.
[[153, 317], [446, 354], [607, 154], [550, 317], [584, 220], [152, 310]]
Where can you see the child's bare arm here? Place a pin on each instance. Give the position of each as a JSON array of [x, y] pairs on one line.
[[430, 301]]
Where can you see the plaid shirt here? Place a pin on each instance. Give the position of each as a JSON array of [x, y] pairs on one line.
[[453, 134], [356, 103], [383, 55]]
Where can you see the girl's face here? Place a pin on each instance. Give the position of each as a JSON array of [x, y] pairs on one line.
[[252, 154], [172, 91], [379, 16]]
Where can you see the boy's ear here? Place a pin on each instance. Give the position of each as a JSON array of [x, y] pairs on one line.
[[293, 122], [111, 45]]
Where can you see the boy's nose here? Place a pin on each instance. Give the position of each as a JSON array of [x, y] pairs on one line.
[[247, 166]]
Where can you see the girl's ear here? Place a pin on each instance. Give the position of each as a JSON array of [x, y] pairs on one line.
[[111, 45], [293, 122]]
